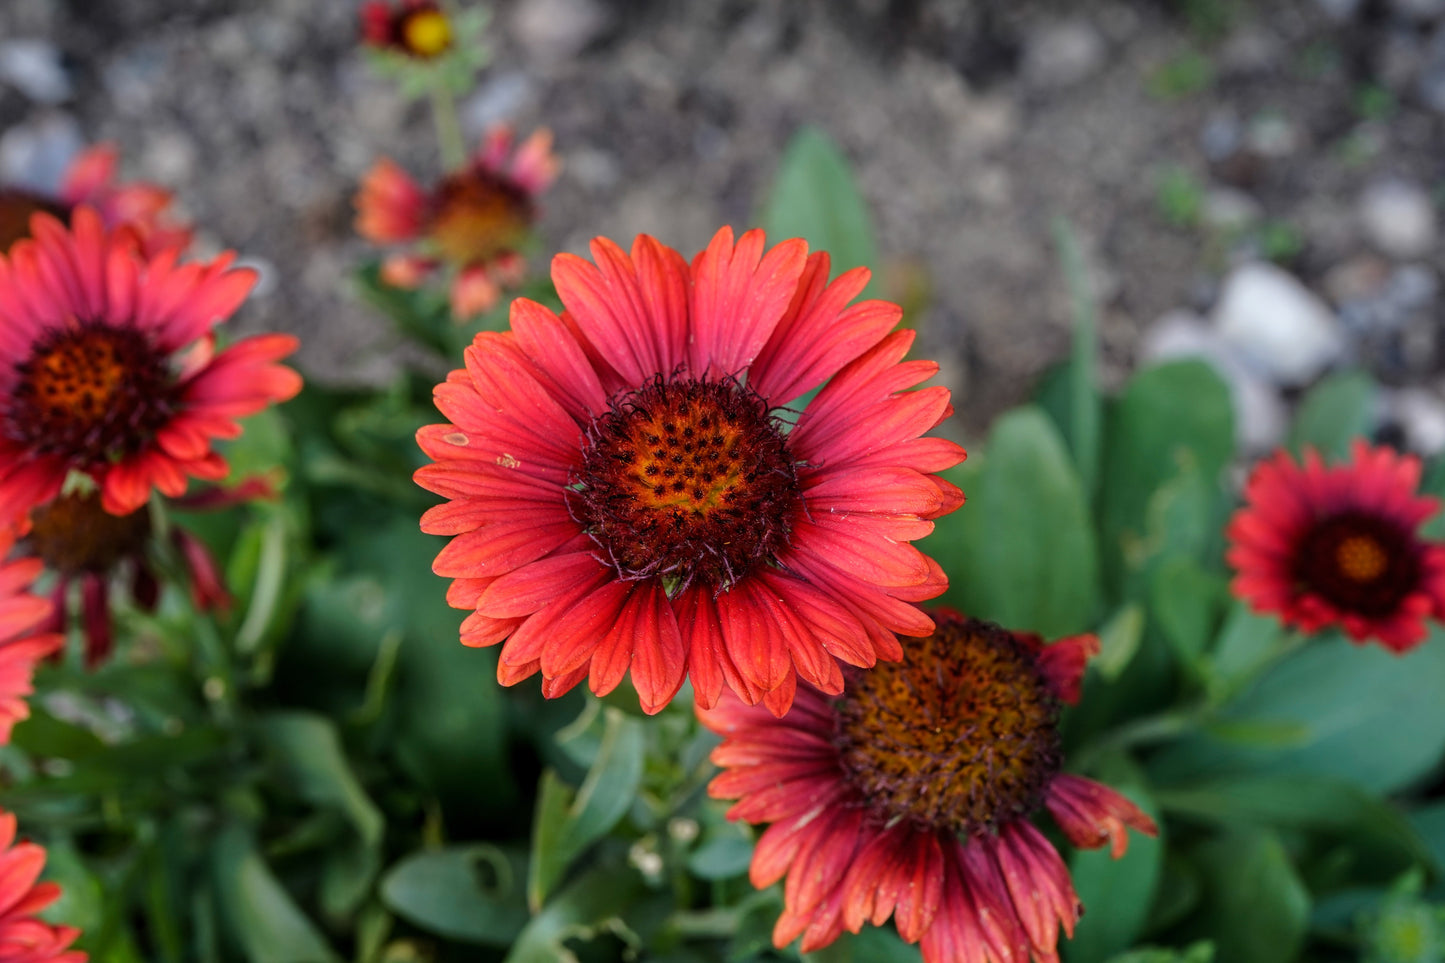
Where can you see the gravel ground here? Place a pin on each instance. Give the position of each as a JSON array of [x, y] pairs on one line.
[[1283, 131]]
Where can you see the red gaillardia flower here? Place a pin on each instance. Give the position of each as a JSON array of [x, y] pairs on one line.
[[475, 221], [1340, 546], [23, 641], [90, 180], [83, 544], [108, 366], [414, 28], [23, 938], [909, 796], [625, 493]]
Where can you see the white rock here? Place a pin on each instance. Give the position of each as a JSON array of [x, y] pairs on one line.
[[1228, 209], [1340, 10], [1421, 415], [34, 67], [553, 30], [1276, 323], [1062, 53], [497, 100], [1398, 218], [34, 155], [1260, 419]]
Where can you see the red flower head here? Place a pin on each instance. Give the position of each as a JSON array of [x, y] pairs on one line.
[[625, 492], [414, 28], [90, 180], [910, 797], [1340, 546], [23, 938], [475, 220], [22, 642], [82, 543], [108, 367]]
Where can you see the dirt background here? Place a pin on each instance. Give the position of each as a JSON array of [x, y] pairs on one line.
[[972, 125]]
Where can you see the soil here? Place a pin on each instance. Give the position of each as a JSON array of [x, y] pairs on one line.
[[973, 127]]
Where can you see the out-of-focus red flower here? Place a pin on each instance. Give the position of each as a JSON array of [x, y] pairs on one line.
[[24, 639], [23, 937], [91, 180], [1341, 545], [414, 28], [108, 366], [473, 222]]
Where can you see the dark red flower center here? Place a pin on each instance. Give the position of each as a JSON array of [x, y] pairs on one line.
[[424, 31], [1359, 563], [73, 535], [90, 393], [962, 735], [477, 215], [688, 480], [15, 210]]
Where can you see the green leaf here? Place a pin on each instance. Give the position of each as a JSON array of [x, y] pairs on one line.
[[1119, 640], [566, 825], [1202, 952], [722, 857], [1171, 419], [1022, 550], [1116, 893], [1429, 822], [82, 901], [601, 895], [1082, 427], [262, 918], [1185, 601], [310, 759], [1257, 908], [1333, 412], [1362, 714], [1434, 484], [470, 893], [451, 715], [1247, 643], [1314, 803], [815, 197]]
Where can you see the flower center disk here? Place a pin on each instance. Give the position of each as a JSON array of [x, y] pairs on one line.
[[426, 32], [478, 216], [687, 480], [962, 735], [90, 393], [1357, 562], [73, 535]]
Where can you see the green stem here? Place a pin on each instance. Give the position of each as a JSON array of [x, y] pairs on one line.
[[449, 130]]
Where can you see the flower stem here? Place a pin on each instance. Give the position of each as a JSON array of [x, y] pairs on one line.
[[449, 130]]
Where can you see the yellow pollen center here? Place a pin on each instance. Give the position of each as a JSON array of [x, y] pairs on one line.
[[426, 33], [1361, 558]]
